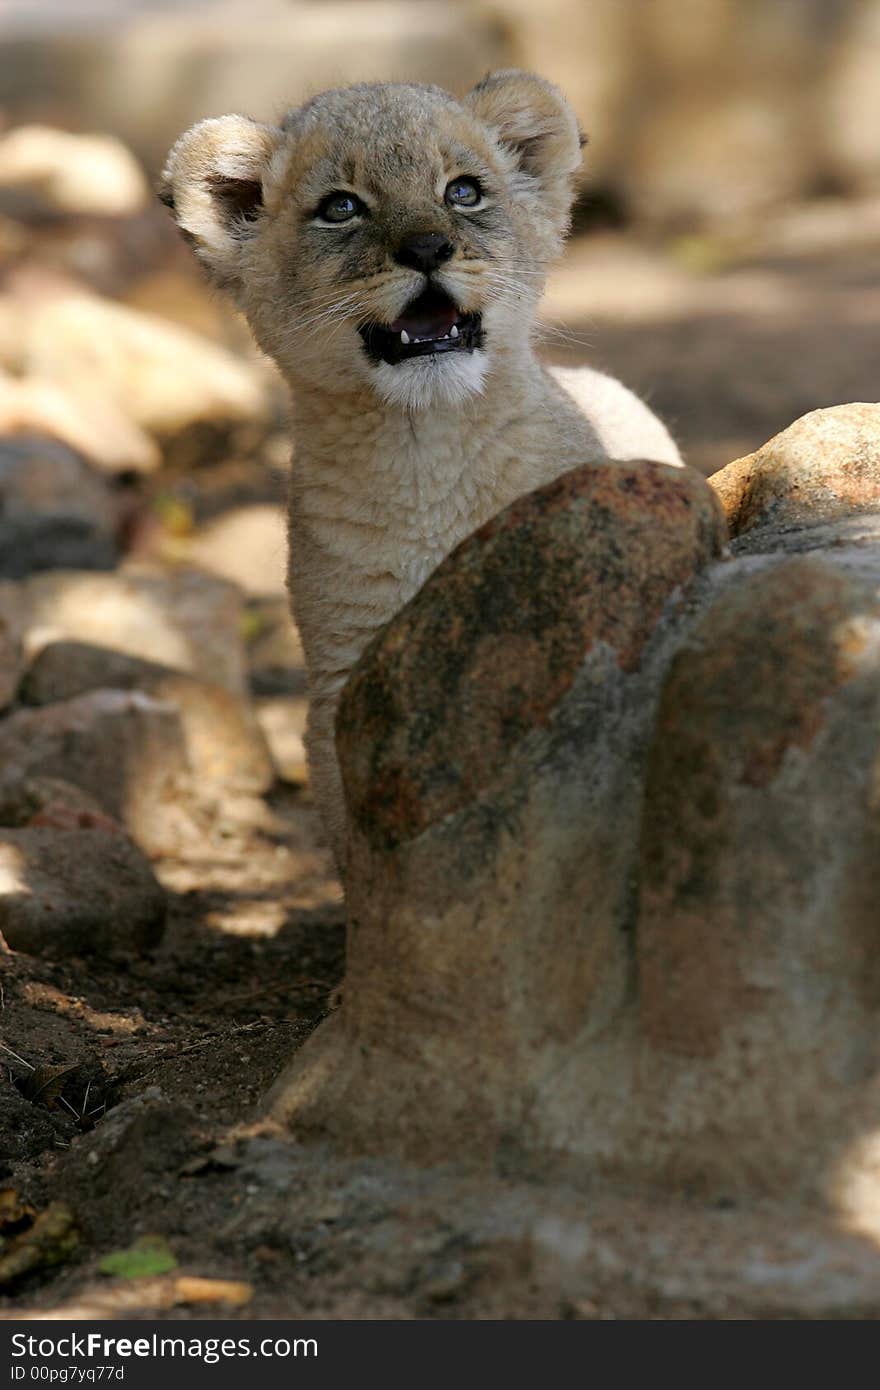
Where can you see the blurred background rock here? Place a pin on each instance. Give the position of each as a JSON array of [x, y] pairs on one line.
[[697, 109], [728, 222]]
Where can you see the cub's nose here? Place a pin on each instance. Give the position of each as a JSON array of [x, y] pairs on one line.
[[425, 251]]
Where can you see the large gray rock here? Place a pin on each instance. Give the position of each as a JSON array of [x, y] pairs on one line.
[[614, 835], [491, 743], [757, 948]]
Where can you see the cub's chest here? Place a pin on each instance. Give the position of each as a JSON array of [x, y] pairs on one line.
[[399, 516], [381, 540]]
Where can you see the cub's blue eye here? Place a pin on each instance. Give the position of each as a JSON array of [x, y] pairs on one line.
[[463, 193], [340, 207]]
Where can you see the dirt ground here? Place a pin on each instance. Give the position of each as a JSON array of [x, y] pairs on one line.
[[154, 1128]]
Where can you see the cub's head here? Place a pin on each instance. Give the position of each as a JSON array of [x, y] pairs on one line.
[[385, 235]]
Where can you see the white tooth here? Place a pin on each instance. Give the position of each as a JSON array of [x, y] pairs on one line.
[[404, 337], [453, 332]]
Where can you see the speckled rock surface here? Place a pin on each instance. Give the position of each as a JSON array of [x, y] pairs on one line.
[[758, 959], [615, 840], [585, 564]]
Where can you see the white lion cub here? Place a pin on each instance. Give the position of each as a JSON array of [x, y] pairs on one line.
[[388, 244]]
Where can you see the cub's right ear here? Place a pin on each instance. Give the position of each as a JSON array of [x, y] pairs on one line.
[[213, 182]]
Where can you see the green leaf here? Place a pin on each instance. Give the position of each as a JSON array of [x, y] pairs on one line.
[[149, 1255]]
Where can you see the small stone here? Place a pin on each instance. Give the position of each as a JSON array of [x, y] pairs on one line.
[[147, 1133], [72, 173], [161, 377], [25, 1129], [247, 545], [282, 719], [276, 661], [37, 801], [823, 467], [125, 749], [443, 1282], [77, 892], [94, 428], [329, 1212], [224, 741], [11, 632], [55, 512], [175, 617]]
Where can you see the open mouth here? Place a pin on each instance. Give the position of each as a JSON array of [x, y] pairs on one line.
[[430, 324]]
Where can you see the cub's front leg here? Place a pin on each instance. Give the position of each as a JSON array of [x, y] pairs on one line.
[[325, 778]]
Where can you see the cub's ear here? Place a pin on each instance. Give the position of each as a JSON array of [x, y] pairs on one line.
[[532, 119], [213, 184]]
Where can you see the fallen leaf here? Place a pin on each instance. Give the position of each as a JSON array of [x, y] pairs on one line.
[[44, 1085], [50, 1241], [176, 516], [150, 1255]]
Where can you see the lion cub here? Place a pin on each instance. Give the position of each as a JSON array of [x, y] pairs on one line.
[[388, 245]]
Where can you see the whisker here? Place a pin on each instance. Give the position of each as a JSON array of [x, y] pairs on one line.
[[539, 327]]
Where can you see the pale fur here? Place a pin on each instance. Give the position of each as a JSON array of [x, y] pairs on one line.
[[394, 465]]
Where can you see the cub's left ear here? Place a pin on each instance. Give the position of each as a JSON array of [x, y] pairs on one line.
[[532, 119], [213, 182]]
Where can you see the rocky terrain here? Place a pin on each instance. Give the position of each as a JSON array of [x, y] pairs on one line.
[[173, 934]]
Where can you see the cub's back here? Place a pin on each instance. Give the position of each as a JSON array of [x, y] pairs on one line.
[[625, 426]]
